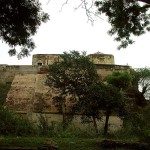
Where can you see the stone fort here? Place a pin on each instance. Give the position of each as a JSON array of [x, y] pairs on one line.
[[28, 92]]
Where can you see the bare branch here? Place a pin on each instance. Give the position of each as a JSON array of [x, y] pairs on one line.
[[48, 2], [85, 5], [79, 5], [66, 2], [145, 1], [87, 10], [145, 7]]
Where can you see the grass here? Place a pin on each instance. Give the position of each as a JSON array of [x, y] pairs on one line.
[[62, 143], [78, 144], [21, 141]]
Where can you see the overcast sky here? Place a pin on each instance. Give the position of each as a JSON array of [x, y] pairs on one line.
[[69, 30]]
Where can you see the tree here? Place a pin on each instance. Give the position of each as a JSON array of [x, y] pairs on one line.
[[112, 102], [127, 18], [90, 104], [102, 99], [141, 84], [121, 80], [19, 20], [70, 77]]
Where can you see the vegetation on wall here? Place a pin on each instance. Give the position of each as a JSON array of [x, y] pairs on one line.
[[4, 88]]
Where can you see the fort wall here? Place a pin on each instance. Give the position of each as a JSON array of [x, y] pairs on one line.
[[29, 94], [28, 91], [8, 72]]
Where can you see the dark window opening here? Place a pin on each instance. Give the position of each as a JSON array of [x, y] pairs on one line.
[[39, 64]]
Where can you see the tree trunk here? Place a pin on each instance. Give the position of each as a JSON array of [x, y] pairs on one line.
[[64, 121], [108, 112], [95, 124]]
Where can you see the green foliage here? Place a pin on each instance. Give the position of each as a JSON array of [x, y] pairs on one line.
[[13, 141], [13, 124], [138, 125], [90, 104], [141, 80], [120, 80], [19, 20], [70, 78], [4, 88], [46, 128], [101, 99], [62, 143], [127, 18]]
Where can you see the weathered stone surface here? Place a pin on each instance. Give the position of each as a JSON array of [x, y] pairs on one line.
[[29, 93], [21, 95]]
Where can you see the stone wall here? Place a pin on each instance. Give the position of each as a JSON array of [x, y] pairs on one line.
[[45, 59], [106, 69], [101, 58], [28, 91], [8, 72]]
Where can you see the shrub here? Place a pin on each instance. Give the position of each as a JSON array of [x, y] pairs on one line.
[[46, 128], [4, 88], [14, 124]]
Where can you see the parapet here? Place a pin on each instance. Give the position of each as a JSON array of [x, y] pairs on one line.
[[100, 58], [47, 59]]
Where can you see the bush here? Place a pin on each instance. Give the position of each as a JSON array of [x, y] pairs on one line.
[[14, 124], [4, 88], [46, 128], [137, 126]]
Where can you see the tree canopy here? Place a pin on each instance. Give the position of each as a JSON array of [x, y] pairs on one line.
[[127, 18], [70, 77], [141, 81], [101, 99], [120, 80], [19, 20]]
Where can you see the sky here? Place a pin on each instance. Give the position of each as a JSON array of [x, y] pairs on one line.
[[69, 29]]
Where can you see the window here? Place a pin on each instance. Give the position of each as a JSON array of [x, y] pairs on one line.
[[39, 64]]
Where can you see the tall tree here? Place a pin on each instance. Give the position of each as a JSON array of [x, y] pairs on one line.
[[70, 77], [19, 20]]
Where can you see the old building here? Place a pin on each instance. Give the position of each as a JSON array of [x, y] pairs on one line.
[[28, 91]]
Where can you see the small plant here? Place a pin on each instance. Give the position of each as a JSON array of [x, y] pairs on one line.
[[46, 128]]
